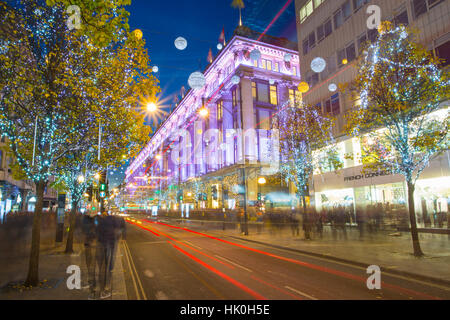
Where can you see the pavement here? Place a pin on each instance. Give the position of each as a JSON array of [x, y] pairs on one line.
[[172, 261], [52, 270]]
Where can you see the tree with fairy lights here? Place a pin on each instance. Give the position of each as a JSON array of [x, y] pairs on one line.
[[306, 144], [60, 89], [403, 115]]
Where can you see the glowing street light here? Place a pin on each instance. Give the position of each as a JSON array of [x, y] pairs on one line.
[[158, 157], [152, 107], [97, 176], [80, 179], [262, 180], [203, 112]]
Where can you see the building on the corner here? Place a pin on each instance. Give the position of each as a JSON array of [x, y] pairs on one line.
[[336, 30], [194, 162]]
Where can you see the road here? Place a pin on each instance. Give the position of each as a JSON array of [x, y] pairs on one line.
[[168, 262]]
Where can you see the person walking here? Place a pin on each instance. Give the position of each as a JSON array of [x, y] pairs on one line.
[[89, 230], [106, 242]]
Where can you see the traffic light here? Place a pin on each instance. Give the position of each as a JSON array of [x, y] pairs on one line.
[[180, 195], [214, 192], [205, 197], [259, 196]]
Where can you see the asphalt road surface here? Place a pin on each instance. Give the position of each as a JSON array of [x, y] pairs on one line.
[[169, 262]]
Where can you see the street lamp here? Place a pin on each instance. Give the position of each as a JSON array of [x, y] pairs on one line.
[[203, 112], [152, 107], [262, 181], [81, 179]]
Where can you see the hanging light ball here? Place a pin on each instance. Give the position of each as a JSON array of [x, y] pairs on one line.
[[138, 34], [255, 54], [219, 46], [344, 61], [235, 79], [180, 43], [197, 80], [287, 57], [318, 64], [303, 87], [155, 69], [332, 87]]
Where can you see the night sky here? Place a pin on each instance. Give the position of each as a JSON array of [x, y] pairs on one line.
[[200, 22]]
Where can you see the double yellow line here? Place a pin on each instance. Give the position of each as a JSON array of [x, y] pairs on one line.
[[139, 289]]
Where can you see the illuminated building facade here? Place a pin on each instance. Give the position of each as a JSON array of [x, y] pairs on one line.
[[197, 158]]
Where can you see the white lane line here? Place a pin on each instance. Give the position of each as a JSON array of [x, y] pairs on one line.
[[301, 293], [191, 244], [233, 263]]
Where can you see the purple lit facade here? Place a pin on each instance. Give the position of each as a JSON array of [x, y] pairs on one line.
[[188, 147]]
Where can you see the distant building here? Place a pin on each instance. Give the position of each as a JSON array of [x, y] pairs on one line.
[[18, 195], [202, 165], [336, 30]]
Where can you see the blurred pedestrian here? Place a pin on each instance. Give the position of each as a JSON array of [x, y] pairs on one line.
[[106, 242], [89, 229]]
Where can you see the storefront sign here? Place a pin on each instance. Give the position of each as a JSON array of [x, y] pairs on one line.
[[368, 175]]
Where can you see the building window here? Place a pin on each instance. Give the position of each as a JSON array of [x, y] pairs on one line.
[[422, 6], [443, 51], [276, 67], [401, 19], [292, 96], [332, 105], [338, 19], [254, 94], [372, 35], [357, 4], [362, 39], [346, 9], [348, 53], [255, 63], [312, 79], [266, 64], [262, 92], [306, 11], [294, 71], [220, 110], [273, 95], [328, 27], [305, 47]]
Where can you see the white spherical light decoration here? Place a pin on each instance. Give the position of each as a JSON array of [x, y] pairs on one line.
[[197, 80], [287, 57], [155, 69], [255, 54], [235, 80], [271, 82], [332, 87], [318, 64], [180, 43], [219, 46]]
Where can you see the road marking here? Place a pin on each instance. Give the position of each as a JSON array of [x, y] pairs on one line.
[[132, 275], [233, 263], [190, 243], [135, 271], [430, 284], [301, 293]]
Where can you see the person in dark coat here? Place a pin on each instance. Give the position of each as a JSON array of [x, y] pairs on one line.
[[89, 229], [106, 242]]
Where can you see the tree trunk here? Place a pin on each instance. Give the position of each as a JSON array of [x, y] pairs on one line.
[[305, 220], [72, 220], [33, 268], [412, 217]]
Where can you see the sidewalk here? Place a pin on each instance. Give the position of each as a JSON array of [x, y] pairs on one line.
[[392, 251], [53, 276]]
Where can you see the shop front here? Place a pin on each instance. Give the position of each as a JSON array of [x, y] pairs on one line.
[[382, 193]]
